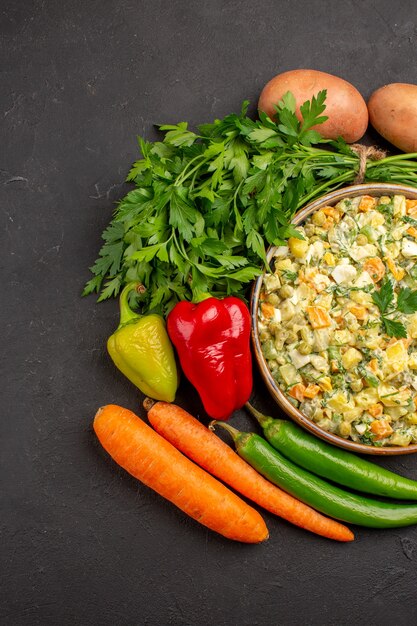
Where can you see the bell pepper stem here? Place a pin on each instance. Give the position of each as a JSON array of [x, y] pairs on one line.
[[262, 419], [126, 313]]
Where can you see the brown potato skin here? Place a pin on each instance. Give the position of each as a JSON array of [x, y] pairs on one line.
[[345, 107], [393, 114]]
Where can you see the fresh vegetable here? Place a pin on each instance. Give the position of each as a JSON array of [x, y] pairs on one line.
[[156, 463], [333, 463], [346, 111], [207, 203], [393, 113], [322, 496], [212, 339], [141, 349], [196, 441]]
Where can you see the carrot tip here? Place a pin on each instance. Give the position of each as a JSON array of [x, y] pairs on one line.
[[99, 411]]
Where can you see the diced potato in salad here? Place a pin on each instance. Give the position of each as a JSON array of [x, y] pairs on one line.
[[321, 331]]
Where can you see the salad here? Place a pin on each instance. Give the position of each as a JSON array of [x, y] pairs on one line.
[[337, 319]]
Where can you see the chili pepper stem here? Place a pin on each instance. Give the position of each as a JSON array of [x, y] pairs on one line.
[[126, 313], [239, 438], [232, 431], [262, 419]]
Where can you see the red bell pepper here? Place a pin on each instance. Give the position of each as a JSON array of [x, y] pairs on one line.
[[212, 339]]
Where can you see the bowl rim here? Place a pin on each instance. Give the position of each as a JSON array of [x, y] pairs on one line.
[[330, 198]]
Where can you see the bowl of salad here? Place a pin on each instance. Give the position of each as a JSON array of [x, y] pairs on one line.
[[334, 321]]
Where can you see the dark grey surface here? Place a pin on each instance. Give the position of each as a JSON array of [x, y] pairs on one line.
[[82, 542]]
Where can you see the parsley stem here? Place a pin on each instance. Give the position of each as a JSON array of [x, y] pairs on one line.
[[184, 174], [333, 183], [399, 157]]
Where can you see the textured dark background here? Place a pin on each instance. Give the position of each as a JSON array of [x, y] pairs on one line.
[[82, 542]]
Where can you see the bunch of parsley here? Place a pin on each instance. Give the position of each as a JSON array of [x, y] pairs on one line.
[[207, 204]]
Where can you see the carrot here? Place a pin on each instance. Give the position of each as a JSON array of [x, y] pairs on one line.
[[376, 410], [311, 391], [195, 440], [375, 268], [367, 203], [330, 211], [412, 231], [381, 429], [319, 318], [358, 311], [397, 272], [297, 391], [156, 463], [411, 207], [267, 310], [373, 365]]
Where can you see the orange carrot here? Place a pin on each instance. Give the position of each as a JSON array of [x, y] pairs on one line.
[[412, 231], [297, 391], [319, 318], [375, 268], [156, 463], [367, 203], [411, 207], [397, 272], [381, 429], [376, 410], [267, 310], [195, 440], [311, 391]]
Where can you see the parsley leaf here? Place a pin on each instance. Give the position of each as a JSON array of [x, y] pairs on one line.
[[311, 113], [178, 135], [407, 300], [393, 328], [384, 299], [385, 296]]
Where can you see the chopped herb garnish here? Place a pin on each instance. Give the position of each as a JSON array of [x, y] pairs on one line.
[[289, 275], [410, 220]]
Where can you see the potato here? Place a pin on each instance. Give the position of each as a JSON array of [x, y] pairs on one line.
[[345, 107], [393, 114]]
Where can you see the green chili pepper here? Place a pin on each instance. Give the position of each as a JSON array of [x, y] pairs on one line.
[[333, 463], [141, 349], [315, 491]]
